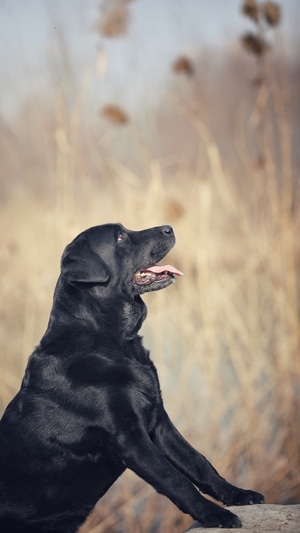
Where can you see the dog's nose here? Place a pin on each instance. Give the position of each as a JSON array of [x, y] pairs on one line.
[[167, 230]]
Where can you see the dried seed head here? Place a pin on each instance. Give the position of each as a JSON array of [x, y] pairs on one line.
[[272, 13], [174, 210], [115, 114], [255, 44], [115, 22], [258, 81], [183, 65], [251, 10], [113, 19]]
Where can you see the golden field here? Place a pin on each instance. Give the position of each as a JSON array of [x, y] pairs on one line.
[[221, 166]]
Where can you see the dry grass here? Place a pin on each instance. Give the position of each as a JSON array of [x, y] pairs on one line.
[[225, 338]]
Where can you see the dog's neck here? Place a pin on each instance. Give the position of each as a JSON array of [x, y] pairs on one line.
[[134, 313], [123, 323]]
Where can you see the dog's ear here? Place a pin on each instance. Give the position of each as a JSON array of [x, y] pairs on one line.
[[80, 264]]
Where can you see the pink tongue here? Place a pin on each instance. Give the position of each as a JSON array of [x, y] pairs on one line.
[[158, 269]]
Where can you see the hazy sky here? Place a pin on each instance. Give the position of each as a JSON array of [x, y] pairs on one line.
[[34, 32]]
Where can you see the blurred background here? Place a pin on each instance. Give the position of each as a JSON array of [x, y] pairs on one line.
[[182, 112]]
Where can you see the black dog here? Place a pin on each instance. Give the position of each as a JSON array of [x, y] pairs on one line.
[[90, 404]]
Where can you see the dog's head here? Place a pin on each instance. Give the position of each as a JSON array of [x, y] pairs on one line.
[[114, 258], [103, 273]]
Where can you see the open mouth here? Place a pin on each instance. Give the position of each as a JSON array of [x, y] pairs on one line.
[[158, 275]]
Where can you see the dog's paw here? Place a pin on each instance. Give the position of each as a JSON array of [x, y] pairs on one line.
[[220, 518], [245, 497]]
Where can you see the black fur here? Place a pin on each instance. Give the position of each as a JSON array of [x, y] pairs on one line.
[[90, 404]]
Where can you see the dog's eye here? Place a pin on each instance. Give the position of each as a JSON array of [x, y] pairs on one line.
[[121, 236]]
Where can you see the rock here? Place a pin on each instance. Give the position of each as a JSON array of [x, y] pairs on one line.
[[261, 518]]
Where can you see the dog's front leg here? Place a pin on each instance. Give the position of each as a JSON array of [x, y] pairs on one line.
[[197, 468], [137, 452]]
